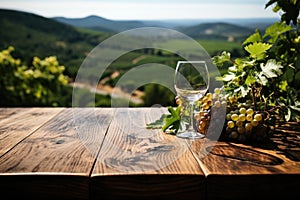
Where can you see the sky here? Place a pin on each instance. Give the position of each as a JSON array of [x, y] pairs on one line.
[[144, 10]]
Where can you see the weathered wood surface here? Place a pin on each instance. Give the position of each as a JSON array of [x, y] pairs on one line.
[[55, 160], [130, 150], [18, 123], [107, 153], [263, 170]]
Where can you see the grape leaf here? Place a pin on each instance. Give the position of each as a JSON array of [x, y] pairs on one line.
[[250, 80], [258, 50], [244, 90], [262, 79], [228, 77], [282, 85], [172, 120], [255, 37], [224, 57], [275, 30], [270, 3], [271, 69], [157, 123]]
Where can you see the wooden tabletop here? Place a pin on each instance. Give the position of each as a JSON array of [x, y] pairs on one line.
[[107, 153]]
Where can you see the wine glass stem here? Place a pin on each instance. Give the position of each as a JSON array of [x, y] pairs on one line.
[[191, 126]]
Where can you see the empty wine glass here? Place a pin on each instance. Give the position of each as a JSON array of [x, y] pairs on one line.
[[191, 83]]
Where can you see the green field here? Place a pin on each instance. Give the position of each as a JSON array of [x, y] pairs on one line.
[[215, 46]]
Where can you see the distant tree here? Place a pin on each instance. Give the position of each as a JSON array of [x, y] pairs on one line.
[[158, 94]]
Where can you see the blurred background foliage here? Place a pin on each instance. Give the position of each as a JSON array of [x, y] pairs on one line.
[[40, 58]]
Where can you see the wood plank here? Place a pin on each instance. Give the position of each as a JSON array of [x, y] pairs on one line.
[[18, 123], [286, 138], [59, 156], [138, 163], [6, 112], [239, 171]]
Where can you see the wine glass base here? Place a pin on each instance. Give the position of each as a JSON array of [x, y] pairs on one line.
[[190, 135]]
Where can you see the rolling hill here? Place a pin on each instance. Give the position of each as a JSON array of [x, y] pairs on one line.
[[33, 35], [72, 39], [212, 30], [100, 24], [217, 31]]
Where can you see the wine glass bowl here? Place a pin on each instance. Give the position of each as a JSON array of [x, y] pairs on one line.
[[191, 83]]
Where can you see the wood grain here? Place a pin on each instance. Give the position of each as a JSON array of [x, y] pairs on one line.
[[141, 163], [55, 154], [18, 123], [107, 153], [7, 112], [236, 171]]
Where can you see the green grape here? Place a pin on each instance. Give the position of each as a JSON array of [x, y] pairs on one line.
[[228, 116], [216, 96], [201, 113], [242, 117], [248, 126], [249, 111], [217, 104], [217, 90], [209, 96], [234, 117], [230, 124], [205, 106], [234, 134], [202, 118], [249, 118], [242, 110], [223, 104], [206, 115], [228, 109], [202, 123], [232, 99], [241, 129], [258, 117], [239, 123], [209, 102], [254, 122], [228, 130], [205, 99]]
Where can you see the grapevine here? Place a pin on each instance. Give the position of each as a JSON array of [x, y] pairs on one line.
[[259, 90]]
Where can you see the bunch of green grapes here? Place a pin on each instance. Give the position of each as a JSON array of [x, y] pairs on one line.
[[210, 107], [242, 122]]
